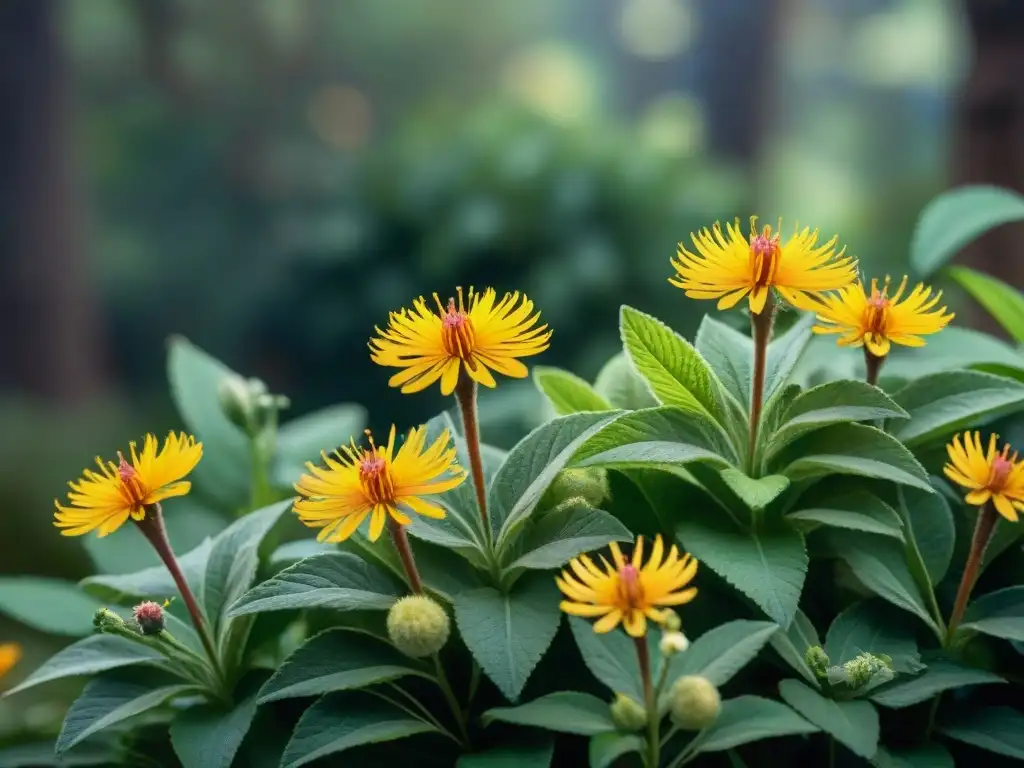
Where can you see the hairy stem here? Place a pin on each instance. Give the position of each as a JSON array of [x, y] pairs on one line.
[[465, 394], [986, 523], [401, 540], [650, 703], [761, 326]]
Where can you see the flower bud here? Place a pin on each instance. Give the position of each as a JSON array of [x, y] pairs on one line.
[[695, 703], [627, 714], [672, 622], [105, 620], [817, 660], [673, 643], [863, 670], [588, 485], [236, 401], [150, 618], [418, 626]]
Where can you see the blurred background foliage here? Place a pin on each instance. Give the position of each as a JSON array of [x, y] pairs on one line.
[[268, 178]]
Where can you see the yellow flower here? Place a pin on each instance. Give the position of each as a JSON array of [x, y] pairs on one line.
[[993, 475], [877, 320], [357, 482], [105, 500], [9, 655], [627, 591], [487, 336], [729, 266]]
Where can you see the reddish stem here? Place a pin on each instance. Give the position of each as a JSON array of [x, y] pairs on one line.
[[761, 326], [986, 523], [874, 365], [401, 540], [465, 394]]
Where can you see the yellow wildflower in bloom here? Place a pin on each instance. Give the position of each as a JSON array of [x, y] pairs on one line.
[[357, 482], [10, 653], [104, 500], [478, 335], [993, 475], [878, 320], [728, 266], [628, 592]]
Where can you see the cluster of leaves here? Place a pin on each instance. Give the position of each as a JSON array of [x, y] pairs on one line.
[[835, 524]]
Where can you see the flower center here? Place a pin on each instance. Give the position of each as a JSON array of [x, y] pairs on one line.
[[1000, 472], [131, 487], [765, 253], [376, 478], [876, 313], [631, 591], [457, 329]]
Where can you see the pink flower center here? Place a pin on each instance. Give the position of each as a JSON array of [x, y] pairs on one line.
[[376, 479], [631, 591], [131, 487], [999, 473], [458, 335], [765, 250]]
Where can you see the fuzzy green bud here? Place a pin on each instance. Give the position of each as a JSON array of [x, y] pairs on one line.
[[863, 670], [418, 626], [105, 620], [672, 643], [817, 660], [695, 703], [590, 486], [236, 401], [627, 714], [672, 622]]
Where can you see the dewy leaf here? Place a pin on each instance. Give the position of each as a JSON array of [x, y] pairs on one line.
[[567, 392], [942, 403], [114, 698], [337, 660], [853, 723], [723, 651], [49, 605], [855, 510], [509, 633], [655, 437], [755, 493], [674, 370], [792, 645], [606, 748], [155, 582], [533, 755], [873, 626], [336, 580], [955, 218], [850, 449], [562, 534], [939, 676], [928, 522], [563, 711], [620, 384], [749, 718], [610, 657], [832, 403], [996, 729], [209, 735], [1004, 302], [302, 439], [998, 614], [532, 465], [88, 656], [341, 721]]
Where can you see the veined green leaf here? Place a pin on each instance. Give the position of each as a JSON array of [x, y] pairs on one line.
[[1004, 302], [610, 657], [567, 392], [855, 510], [730, 354], [564, 533], [563, 711], [998, 614], [792, 645], [154, 583], [209, 735], [755, 493], [49, 605], [928, 526], [996, 729], [746, 719], [606, 748], [853, 723], [873, 626], [720, 653], [620, 384], [939, 676]]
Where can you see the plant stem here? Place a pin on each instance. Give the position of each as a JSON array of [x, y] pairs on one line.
[[986, 523], [650, 704], [873, 363], [465, 394], [401, 540], [761, 327], [449, 695], [152, 527], [831, 751], [932, 711]]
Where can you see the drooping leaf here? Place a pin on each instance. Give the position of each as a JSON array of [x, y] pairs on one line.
[[336, 580], [1004, 302], [567, 392], [943, 403], [749, 718], [855, 510], [509, 633], [610, 657], [564, 533], [606, 748], [720, 653], [873, 626], [302, 439], [533, 755], [341, 721], [755, 493], [209, 735], [928, 524], [563, 711], [154, 583], [996, 729], [792, 645], [939, 676], [998, 614], [620, 384], [49, 605], [852, 723], [337, 660]]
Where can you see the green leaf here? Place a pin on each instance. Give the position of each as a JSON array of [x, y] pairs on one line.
[[855, 510], [606, 748], [851, 449], [209, 735], [49, 605], [792, 645], [620, 384], [853, 723], [36, 754], [872, 626], [996, 729], [723, 651], [999, 614], [749, 718], [955, 218], [832, 403], [563, 711], [610, 657], [563, 533], [674, 370], [1004, 302], [949, 401], [195, 379], [880, 566], [939, 676], [755, 493], [567, 392], [509, 633], [114, 698], [301, 440], [730, 355], [337, 660], [532, 465], [784, 353], [926, 756], [928, 520], [337, 580], [154, 583], [654, 437], [341, 721], [515, 756], [88, 656]]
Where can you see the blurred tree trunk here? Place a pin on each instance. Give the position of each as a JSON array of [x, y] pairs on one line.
[[47, 307], [989, 130]]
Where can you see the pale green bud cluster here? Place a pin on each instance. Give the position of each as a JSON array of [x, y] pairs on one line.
[[248, 404], [627, 714], [672, 643], [695, 703], [584, 486], [418, 626], [868, 668], [818, 661]]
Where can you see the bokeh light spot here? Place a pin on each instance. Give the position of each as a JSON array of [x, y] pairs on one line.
[[656, 29], [341, 117]]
